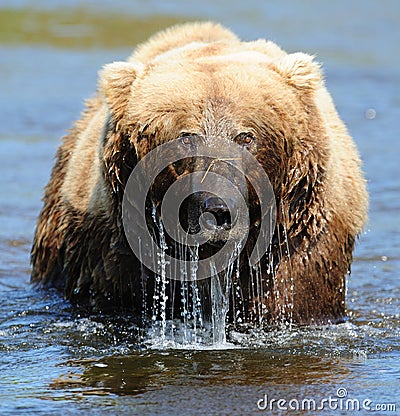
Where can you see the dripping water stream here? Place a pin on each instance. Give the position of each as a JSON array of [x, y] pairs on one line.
[[192, 329], [192, 326]]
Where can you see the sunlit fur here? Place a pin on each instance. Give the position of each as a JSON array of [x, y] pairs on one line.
[[200, 78]]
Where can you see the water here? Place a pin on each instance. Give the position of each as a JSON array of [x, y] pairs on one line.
[[54, 361], [221, 286], [194, 330]]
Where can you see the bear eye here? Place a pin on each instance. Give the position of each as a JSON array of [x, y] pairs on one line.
[[245, 139], [186, 138]]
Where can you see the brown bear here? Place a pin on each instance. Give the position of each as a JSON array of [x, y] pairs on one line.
[[199, 83]]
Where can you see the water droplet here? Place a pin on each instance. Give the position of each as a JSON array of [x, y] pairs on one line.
[[370, 113], [100, 365]]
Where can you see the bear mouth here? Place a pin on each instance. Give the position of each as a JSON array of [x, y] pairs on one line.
[[217, 237], [215, 226], [216, 234]]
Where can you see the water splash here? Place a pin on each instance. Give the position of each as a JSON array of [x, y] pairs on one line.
[[197, 312], [220, 289], [160, 297], [203, 307]]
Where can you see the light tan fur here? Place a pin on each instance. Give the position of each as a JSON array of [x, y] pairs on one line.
[[201, 78]]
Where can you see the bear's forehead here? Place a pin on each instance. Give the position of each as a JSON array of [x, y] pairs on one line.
[[233, 79], [200, 82], [241, 57], [216, 52], [218, 55], [224, 74]]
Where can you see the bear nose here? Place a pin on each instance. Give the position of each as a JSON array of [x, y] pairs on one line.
[[221, 216]]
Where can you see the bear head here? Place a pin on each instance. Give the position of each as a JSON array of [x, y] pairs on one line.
[[229, 99]]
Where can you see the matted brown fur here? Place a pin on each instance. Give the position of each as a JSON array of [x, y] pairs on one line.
[[201, 78]]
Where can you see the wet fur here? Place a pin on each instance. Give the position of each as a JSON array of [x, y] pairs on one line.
[[80, 246]]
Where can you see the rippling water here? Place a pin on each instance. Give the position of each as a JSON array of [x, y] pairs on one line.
[[54, 361]]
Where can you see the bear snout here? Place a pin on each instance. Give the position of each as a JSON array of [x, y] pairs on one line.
[[220, 217], [215, 217]]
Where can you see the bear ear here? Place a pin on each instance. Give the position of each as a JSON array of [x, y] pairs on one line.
[[299, 70], [115, 82]]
